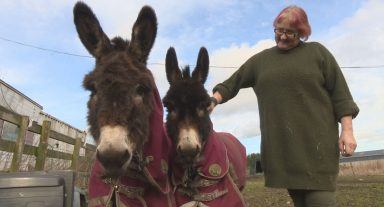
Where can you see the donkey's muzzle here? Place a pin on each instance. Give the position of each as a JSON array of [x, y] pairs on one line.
[[113, 160], [188, 152], [114, 151]]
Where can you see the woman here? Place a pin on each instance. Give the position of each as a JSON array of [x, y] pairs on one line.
[[302, 95]]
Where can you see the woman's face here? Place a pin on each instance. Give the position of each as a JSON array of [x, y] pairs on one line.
[[286, 37]]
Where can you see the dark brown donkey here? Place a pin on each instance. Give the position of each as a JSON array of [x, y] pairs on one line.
[[125, 115], [209, 168]]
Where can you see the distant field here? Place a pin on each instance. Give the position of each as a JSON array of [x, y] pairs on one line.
[[353, 191]]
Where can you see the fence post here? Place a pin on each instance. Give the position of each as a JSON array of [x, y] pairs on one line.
[[76, 154], [19, 148], [42, 149]]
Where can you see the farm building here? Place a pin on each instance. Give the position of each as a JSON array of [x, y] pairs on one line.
[[14, 101], [363, 163]]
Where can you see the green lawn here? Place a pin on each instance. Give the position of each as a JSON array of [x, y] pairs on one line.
[[352, 191]]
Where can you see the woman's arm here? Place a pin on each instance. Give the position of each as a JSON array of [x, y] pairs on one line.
[[347, 142]]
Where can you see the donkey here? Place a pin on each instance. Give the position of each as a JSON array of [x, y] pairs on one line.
[[125, 115], [209, 167]]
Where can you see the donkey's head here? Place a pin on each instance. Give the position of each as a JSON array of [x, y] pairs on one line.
[[188, 122], [121, 87]]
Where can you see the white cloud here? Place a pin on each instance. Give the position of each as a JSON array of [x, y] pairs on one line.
[[356, 42], [233, 56], [32, 17], [240, 115], [19, 74], [159, 74], [241, 124]]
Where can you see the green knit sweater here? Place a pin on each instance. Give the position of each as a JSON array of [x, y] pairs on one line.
[[302, 95]]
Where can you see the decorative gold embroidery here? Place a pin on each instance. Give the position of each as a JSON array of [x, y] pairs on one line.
[[215, 170], [194, 204], [130, 192], [210, 196], [203, 183], [203, 196]]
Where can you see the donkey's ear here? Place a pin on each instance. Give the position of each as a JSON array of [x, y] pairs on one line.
[[202, 66], [90, 32], [172, 66], [143, 34]]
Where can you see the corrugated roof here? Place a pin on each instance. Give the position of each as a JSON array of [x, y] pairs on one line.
[[58, 120], [21, 94], [366, 155]]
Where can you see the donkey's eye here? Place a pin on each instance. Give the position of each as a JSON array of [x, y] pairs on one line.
[[93, 95], [200, 112], [170, 108], [172, 114], [141, 90]]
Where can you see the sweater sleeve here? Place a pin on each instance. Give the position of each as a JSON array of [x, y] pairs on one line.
[[343, 103], [243, 78]]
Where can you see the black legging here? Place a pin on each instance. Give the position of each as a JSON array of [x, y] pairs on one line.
[[313, 198]]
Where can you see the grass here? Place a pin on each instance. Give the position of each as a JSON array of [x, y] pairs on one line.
[[352, 191]]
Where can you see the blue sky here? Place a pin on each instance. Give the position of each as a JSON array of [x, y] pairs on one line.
[[231, 30]]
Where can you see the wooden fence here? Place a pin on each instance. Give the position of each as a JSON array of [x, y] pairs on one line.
[[80, 164]]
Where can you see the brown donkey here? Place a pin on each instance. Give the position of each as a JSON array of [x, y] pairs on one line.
[[125, 115], [209, 167]]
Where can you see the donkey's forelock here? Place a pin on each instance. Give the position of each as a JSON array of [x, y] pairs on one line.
[[186, 73], [120, 44]]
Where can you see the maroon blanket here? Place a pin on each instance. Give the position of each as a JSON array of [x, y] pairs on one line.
[[221, 173], [152, 186]]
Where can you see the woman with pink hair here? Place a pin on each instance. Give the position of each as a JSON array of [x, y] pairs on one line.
[[302, 95]]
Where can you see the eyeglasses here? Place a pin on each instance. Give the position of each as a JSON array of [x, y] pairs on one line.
[[288, 33]]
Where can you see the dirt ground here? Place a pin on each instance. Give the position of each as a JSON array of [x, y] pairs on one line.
[[352, 191]]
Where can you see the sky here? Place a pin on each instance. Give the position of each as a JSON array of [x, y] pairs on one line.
[[231, 30]]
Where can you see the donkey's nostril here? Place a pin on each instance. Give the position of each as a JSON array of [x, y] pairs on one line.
[[125, 156], [178, 149], [197, 150], [190, 152], [112, 159], [102, 158]]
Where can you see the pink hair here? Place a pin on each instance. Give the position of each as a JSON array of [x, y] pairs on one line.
[[297, 18]]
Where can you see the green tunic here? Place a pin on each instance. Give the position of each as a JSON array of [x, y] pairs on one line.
[[302, 95]]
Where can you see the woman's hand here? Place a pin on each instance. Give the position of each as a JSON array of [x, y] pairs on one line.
[[347, 142], [215, 99], [212, 106]]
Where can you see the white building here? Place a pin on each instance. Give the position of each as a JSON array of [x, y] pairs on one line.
[[17, 102]]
